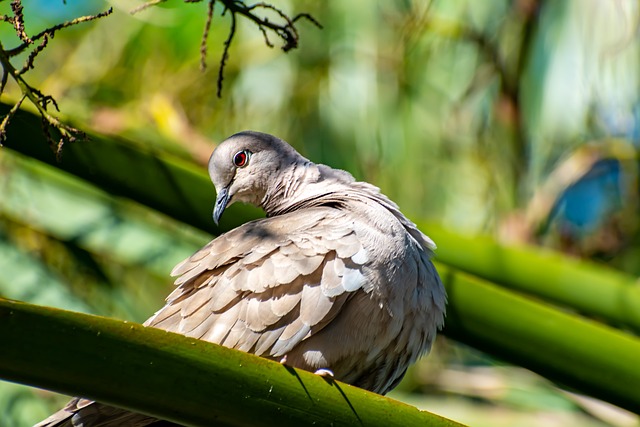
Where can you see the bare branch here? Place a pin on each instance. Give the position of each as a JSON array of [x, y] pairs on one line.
[[52, 30], [34, 95], [146, 6], [18, 21], [285, 30], [32, 56], [7, 118], [308, 18], [205, 36], [225, 53], [266, 36]]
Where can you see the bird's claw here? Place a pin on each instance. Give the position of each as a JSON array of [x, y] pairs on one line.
[[326, 373]]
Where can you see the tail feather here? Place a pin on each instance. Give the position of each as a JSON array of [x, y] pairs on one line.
[[81, 412]]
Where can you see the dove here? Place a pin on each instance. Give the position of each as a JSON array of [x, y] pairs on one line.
[[334, 280]]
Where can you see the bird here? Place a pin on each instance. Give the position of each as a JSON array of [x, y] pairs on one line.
[[334, 279]]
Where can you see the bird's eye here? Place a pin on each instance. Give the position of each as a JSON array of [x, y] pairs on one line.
[[241, 158]]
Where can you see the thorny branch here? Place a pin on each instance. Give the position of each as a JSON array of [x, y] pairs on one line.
[[225, 53], [283, 27], [205, 35], [34, 95], [286, 29]]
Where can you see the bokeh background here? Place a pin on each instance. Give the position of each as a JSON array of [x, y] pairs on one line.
[[517, 119]]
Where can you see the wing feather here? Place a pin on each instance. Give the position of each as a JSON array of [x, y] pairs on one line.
[[314, 306], [263, 289]]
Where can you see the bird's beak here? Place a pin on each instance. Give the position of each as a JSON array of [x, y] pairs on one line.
[[222, 199]]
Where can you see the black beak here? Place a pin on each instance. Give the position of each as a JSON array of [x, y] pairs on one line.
[[222, 199]]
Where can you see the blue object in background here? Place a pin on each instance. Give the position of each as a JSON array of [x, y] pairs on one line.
[[585, 206]]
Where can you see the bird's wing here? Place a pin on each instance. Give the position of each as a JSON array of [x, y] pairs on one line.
[[269, 284]]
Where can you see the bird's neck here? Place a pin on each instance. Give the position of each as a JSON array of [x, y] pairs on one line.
[[303, 185]]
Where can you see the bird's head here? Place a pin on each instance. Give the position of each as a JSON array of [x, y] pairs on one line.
[[245, 165]]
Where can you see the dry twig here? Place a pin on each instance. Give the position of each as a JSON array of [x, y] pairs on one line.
[[286, 29], [34, 95]]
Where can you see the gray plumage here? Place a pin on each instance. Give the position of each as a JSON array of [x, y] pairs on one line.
[[335, 278]]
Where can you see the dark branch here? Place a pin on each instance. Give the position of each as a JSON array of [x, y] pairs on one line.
[[205, 36], [287, 32], [225, 53], [32, 56], [18, 21], [34, 95], [52, 30], [286, 29], [7, 118]]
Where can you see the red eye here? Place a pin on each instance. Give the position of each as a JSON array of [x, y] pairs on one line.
[[241, 158]]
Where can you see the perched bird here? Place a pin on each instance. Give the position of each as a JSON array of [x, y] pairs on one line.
[[335, 280]]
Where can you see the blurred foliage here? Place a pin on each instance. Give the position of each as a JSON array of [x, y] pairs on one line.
[[519, 119]]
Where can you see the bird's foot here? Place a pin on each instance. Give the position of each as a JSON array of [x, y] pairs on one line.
[[326, 373]]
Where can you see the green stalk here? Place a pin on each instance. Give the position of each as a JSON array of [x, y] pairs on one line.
[[180, 379], [592, 289], [580, 353], [161, 181]]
